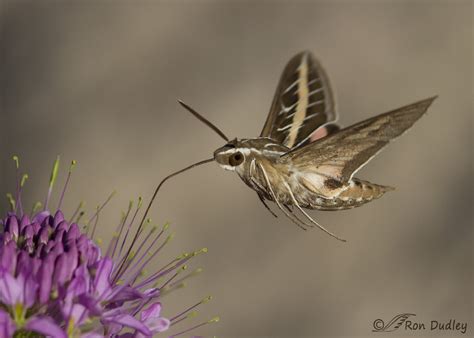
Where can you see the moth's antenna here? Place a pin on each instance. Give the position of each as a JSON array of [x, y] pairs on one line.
[[203, 119]]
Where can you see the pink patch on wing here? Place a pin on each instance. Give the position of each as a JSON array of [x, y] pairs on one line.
[[319, 133]]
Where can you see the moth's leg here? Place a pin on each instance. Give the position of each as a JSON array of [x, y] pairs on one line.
[[308, 216], [256, 182], [266, 205], [259, 186], [291, 211], [276, 199]]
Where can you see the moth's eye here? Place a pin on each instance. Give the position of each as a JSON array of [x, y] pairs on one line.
[[236, 158]]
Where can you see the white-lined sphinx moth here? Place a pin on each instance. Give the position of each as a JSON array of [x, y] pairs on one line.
[[302, 158]]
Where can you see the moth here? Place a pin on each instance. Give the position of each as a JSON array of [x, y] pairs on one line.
[[303, 159]]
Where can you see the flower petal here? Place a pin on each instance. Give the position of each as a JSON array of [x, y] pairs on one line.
[[10, 289], [45, 275], [152, 311], [29, 291], [46, 326], [58, 218], [131, 322], [7, 327], [158, 324], [90, 303], [102, 278], [61, 270], [92, 335], [126, 294], [8, 257], [12, 226], [39, 217]]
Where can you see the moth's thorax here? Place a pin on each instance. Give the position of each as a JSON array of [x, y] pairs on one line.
[[228, 156]]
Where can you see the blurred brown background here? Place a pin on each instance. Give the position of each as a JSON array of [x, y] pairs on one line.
[[98, 82]]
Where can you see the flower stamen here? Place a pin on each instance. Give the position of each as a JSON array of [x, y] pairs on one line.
[[71, 168], [52, 180]]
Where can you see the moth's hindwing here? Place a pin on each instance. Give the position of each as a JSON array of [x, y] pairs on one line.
[[303, 102]]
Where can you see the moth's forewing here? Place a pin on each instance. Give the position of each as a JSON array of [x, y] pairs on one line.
[[303, 102], [340, 155]]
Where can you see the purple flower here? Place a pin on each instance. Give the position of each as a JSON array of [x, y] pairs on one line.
[[56, 282]]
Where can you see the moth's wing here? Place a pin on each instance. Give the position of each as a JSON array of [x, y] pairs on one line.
[[340, 155], [323, 131], [303, 102]]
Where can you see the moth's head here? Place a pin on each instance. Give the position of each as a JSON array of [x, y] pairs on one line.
[[230, 156]]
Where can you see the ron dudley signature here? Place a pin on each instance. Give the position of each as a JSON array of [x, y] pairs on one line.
[[406, 322]]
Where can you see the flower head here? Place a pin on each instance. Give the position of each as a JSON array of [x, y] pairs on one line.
[[56, 282]]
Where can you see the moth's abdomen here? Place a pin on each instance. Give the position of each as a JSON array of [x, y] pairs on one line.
[[357, 193], [362, 191]]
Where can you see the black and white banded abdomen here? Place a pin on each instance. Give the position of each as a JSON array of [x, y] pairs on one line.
[[356, 193]]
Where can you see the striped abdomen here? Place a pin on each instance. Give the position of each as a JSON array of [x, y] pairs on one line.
[[357, 193]]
